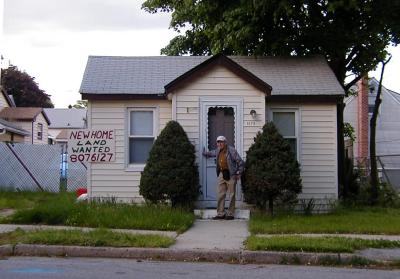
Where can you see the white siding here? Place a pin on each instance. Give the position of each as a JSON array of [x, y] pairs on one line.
[[40, 120], [28, 127], [219, 82], [318, 149], [115, 179], [317, 133], [3, 101]]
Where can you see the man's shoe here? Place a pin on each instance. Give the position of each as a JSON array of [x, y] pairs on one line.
[[218, 217], [229, 217]]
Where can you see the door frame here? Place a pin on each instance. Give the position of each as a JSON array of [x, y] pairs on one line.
[[205, 103]]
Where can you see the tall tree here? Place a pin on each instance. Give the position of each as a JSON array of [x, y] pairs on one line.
[[24, 89], [351, 34]]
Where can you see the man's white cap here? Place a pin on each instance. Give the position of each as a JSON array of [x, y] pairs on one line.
[[221, 138]]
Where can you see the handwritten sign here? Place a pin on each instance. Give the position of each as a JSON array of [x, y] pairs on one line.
[[91, 145]]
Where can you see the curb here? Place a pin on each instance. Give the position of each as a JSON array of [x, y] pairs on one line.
[[129, 253], [6, 250], [167, 254], [303, 258]]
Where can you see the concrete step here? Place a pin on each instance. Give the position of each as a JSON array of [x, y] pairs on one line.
[[209, 213]]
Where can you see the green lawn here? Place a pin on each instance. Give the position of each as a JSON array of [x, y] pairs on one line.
[[315, 244], [345, 220], [100, 237], [62, 209], [25, 199]]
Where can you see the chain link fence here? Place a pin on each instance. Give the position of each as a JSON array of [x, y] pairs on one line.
[[39, 167], [388, 168]]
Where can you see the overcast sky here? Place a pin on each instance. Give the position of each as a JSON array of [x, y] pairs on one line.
[[51, 40]]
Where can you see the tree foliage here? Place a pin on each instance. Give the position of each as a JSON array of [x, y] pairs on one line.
[[272, 171], [24, 89], [80, 104], [171, 172], [351, 34]]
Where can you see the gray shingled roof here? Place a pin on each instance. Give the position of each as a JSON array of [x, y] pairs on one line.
[[66, 118], [22, 113], [149, 75], [134, 75]]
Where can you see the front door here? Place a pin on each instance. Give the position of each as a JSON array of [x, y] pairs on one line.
[[218, 118]]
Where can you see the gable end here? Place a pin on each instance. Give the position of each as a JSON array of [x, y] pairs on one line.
[[221, 60]]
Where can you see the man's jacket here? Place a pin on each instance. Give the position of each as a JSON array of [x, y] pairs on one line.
[[235, 163]]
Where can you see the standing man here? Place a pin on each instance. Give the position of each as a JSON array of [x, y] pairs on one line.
[[229, 169]]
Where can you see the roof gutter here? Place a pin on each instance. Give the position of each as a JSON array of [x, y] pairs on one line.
[[305, 98], [100, 97]]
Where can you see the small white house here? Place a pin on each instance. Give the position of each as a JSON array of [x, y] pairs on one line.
[[9, 132], [209, 96]]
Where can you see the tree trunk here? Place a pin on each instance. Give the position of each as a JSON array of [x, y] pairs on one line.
[[372, 144], [271, 206]]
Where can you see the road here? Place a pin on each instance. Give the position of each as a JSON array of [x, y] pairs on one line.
[[74, 268]]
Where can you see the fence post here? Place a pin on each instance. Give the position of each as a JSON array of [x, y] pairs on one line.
[[63, 171], [24, 166], [383, 170]]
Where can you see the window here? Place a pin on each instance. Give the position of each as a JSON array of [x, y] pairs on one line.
[[141, 134], [40, 131], [285, 122]]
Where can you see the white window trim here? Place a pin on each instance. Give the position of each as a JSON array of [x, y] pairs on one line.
[[39, 133], [297, 125], [138, 167]]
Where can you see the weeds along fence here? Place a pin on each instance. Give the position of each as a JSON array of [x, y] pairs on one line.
[[388, 168], [39, 168]]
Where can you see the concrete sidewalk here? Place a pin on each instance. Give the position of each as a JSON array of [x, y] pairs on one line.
[[210, 234], [207, 240]]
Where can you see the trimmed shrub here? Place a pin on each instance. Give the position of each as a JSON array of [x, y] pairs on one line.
[[171, 172], [272, 172]]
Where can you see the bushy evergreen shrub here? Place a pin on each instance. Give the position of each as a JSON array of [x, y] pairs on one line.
[[272, 172], [171, 172], [350, 191]]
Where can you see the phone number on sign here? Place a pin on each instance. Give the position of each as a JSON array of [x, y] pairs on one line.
[[87, 157]]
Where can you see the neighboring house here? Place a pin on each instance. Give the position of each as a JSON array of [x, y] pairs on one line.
[[5, 100], [210, 96], [63, 120], [358, 112], [33, 120], [10, 132]]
